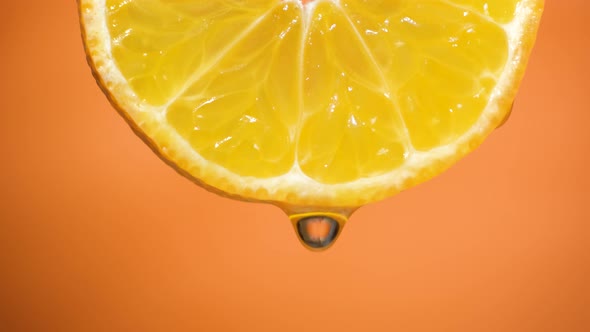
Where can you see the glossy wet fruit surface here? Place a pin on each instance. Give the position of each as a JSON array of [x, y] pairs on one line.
[[342, 89]]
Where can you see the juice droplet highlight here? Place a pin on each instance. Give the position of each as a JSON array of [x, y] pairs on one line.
[[506, 117], [318, 231]]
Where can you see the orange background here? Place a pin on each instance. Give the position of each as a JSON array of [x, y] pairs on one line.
[[97, 234]]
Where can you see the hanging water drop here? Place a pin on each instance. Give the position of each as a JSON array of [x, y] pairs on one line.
[[318, 231]]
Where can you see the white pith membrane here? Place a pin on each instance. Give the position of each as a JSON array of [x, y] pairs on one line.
[[295, 190]]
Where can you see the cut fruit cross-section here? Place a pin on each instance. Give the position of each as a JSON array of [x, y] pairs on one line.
[[318, 107]]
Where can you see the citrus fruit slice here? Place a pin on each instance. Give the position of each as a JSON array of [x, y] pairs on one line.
[[317, 106]]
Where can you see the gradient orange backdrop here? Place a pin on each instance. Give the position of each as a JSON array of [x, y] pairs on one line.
[[98, 234]]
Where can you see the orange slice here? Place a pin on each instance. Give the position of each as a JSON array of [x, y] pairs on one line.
[[316, 106]]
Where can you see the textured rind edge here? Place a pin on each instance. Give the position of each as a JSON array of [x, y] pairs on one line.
[[295, 191]]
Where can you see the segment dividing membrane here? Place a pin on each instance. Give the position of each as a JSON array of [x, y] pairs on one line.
[[339, 90]]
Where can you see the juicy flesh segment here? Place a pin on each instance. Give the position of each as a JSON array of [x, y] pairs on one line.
[[341, 89]]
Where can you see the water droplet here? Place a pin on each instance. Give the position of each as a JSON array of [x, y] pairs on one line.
[[506, 117], [318, 231]]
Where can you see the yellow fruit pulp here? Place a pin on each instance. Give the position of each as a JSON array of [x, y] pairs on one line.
[[341, 89]]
